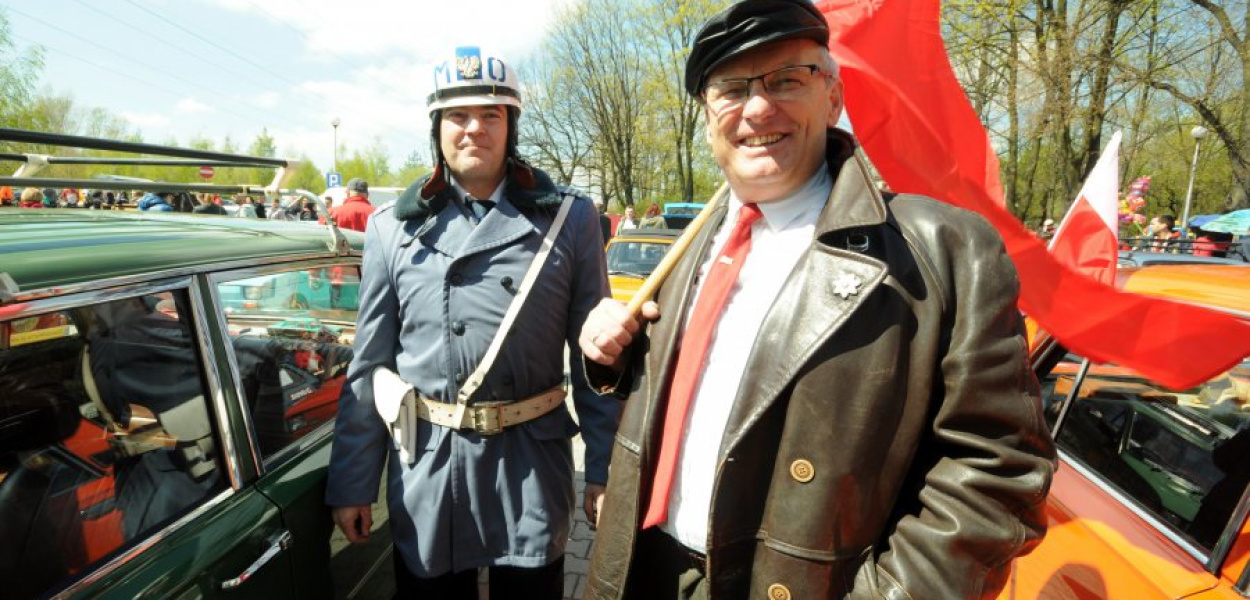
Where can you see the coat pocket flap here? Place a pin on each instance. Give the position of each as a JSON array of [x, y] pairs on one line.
[[389, 393]]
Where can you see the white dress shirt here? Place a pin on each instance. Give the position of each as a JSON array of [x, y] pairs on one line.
[[778, 239]]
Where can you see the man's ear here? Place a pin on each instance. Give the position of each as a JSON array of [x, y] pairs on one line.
[[835, 102]]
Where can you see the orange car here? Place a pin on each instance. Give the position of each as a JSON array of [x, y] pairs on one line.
[[1150, 495]]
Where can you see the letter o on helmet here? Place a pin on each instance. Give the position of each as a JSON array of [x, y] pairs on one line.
[[472, 77]]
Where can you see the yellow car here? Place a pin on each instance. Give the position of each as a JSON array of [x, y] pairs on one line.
[[633, 255]]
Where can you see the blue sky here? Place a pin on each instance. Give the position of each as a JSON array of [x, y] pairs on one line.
[[185, 68]]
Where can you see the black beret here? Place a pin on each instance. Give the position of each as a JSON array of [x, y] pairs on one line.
[[746, 25]]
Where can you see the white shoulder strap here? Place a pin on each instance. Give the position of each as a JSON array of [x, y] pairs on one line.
[[479, 375]]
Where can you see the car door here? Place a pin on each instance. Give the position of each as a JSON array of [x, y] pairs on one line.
[[1149, 499], [289, 361], [117, 474]]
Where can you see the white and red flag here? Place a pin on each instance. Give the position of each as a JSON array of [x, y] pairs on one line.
[[1087, 240], [921, 133]]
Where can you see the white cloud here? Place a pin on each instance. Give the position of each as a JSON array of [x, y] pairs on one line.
[[292, 66], [145, 120], [192, 106], [419, 29], [367, 63], [267, 99]]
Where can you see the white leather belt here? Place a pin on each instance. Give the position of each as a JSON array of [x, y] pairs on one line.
[[490, 418]]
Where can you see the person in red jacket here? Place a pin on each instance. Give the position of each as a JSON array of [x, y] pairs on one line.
[[354, 212]]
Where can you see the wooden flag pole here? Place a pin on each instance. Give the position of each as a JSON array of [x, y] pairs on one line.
[[662, 270]]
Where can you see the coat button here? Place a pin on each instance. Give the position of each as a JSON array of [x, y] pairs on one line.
[[455, 279], [777, 591], [802, 471], [457, 327]]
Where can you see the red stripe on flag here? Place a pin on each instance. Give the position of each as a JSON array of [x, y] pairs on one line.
[[914, 122], [1085, 244]]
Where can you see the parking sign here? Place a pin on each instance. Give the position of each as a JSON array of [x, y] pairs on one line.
[[333, 179]]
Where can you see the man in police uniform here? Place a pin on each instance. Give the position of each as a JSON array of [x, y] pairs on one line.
[[441, 268]]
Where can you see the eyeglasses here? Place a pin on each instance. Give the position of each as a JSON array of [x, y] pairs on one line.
[[783, 84]]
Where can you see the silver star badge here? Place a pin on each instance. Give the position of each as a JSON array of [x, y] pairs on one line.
[[846, 285]]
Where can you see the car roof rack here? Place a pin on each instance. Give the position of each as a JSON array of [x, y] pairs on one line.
[[32, 163]]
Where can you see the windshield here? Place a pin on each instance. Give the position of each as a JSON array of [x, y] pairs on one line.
[[635, 258]]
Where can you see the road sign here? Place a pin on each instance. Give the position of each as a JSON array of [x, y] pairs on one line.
[[334, 179], [206, 172]]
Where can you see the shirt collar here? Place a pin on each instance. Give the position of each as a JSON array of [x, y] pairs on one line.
[[495, 196], [803, 205]]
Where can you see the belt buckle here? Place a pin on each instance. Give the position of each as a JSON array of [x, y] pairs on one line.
[[486, 419]]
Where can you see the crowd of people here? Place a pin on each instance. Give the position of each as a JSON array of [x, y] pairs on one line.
[[1161, 235], [351, 213]]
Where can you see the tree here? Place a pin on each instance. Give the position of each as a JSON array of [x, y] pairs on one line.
[[263, 145], [601, 42], [19, 76], [552, 132], [674, 24], [1218, 46], [306, 176], [414, 167]]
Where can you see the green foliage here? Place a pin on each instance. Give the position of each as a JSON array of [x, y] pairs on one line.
[[307, 176], [19, 76], [264, 145]]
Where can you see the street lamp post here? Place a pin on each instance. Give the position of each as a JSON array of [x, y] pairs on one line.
[[334, 166], [1198, 132]]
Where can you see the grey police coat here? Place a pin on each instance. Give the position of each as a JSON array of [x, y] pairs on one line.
[[434, 289]]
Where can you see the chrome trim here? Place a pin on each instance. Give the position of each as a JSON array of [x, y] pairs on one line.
[[236, 376], [120, 560], [1072, 395], [229, 452], [1165, 529], [125, 280], [278, 543], [74, 300]]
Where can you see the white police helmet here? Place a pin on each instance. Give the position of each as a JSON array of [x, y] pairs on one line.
[[473, 77]]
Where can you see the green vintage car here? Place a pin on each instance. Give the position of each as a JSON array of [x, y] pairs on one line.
[[156, 441]]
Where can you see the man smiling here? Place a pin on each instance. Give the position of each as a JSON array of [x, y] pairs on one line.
[[836, 401]]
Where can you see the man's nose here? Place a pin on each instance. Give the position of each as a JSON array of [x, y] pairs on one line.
[[759, 104]]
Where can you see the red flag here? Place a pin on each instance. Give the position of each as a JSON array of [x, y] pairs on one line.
[[914, 122], [1087, 240]]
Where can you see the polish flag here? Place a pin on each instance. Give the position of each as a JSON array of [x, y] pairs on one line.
[[1087, 239]]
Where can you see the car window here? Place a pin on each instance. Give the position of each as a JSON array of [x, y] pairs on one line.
[[291, 334], [1180, 456], [105, 435], [639, 258]]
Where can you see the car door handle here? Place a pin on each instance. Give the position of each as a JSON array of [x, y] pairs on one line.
[[277, 543]]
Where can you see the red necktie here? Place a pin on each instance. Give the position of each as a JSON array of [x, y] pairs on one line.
[[721, 277]]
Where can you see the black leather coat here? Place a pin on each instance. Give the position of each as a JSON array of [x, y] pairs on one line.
[[886, 443]]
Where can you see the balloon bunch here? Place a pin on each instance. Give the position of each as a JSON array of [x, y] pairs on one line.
[[1131, 206]]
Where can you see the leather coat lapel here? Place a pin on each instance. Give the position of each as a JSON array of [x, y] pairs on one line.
[[816, 300]]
